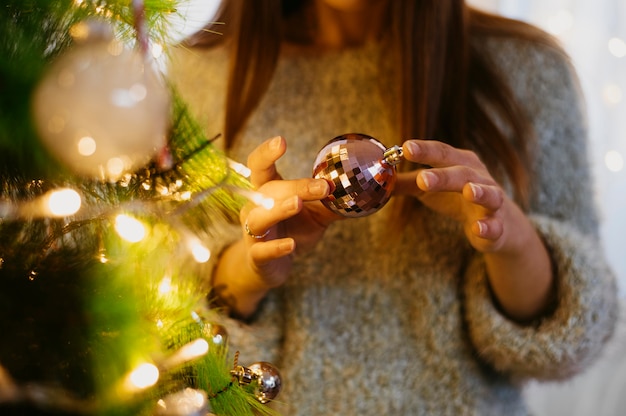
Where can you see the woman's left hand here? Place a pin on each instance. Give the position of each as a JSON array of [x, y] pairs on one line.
[[458, 185]]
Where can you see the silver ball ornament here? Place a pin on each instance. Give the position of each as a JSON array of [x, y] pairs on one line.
[[102, 109], [267, 381], [264, 379], [361, 171]]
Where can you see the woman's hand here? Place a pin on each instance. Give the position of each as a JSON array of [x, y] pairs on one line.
[[262, 259], [458, 185], [296, 221]]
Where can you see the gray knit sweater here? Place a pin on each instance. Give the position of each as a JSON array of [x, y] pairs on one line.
[[377, 321]]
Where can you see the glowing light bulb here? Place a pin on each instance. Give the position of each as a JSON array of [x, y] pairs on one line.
[[156, 50], [86, 146], [196, 317], [194, 349], [241, 169], [115, 167], [129, 228], [200, 253], [258, 198], [165, 286], [267, 203], [144, 376], [614, 161], [187, 352], [63, 202], [102, 257]]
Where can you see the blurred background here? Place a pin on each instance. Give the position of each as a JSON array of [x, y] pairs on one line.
[[594, 35]]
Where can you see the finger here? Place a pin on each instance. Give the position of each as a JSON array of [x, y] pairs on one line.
[[262, 159], [488, 228], [288, 201], [488, 196], [450, 179], [308, 189], [438, 154], [259, 220], [267, 251]]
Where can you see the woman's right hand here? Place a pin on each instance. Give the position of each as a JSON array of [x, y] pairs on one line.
[[296, 221], [262, 259]]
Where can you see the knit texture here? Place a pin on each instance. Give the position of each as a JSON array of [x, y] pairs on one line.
[[381, 321]]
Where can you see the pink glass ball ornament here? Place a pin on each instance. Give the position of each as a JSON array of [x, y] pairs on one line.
[[361, 171], [102, 109]]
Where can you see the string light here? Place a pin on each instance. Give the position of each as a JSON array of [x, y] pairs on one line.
[[63, 202], [115, 167], [165, 286], [156, 50], [200, 253], [240, 168], [86, 146], [129, 228], [143, 376], [257, 198], [191, 351], [196, 317]]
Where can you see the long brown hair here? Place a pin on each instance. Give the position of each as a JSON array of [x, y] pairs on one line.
[[449, 90]]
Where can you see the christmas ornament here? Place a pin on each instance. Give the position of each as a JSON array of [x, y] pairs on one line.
[[263, 377], [101, 109], [188, 402], [361, 171]]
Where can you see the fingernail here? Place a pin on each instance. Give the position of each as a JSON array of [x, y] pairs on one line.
[[429, 178], [318, 188], [482, 227], [290, 203], [275, 143], [286, 246], [477, 191], [413, 148]]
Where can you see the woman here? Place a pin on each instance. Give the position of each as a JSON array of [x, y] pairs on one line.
[[485, 268]]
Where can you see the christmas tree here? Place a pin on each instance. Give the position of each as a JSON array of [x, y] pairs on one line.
[[111, 201]]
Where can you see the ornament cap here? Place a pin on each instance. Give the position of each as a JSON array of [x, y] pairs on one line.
[[393, 155]]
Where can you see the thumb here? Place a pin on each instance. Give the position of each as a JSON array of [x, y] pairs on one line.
[[262, 161]]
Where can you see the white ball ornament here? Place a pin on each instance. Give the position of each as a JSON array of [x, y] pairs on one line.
[[102, 109]]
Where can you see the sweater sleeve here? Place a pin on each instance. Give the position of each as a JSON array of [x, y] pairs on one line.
[[563, 212]]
